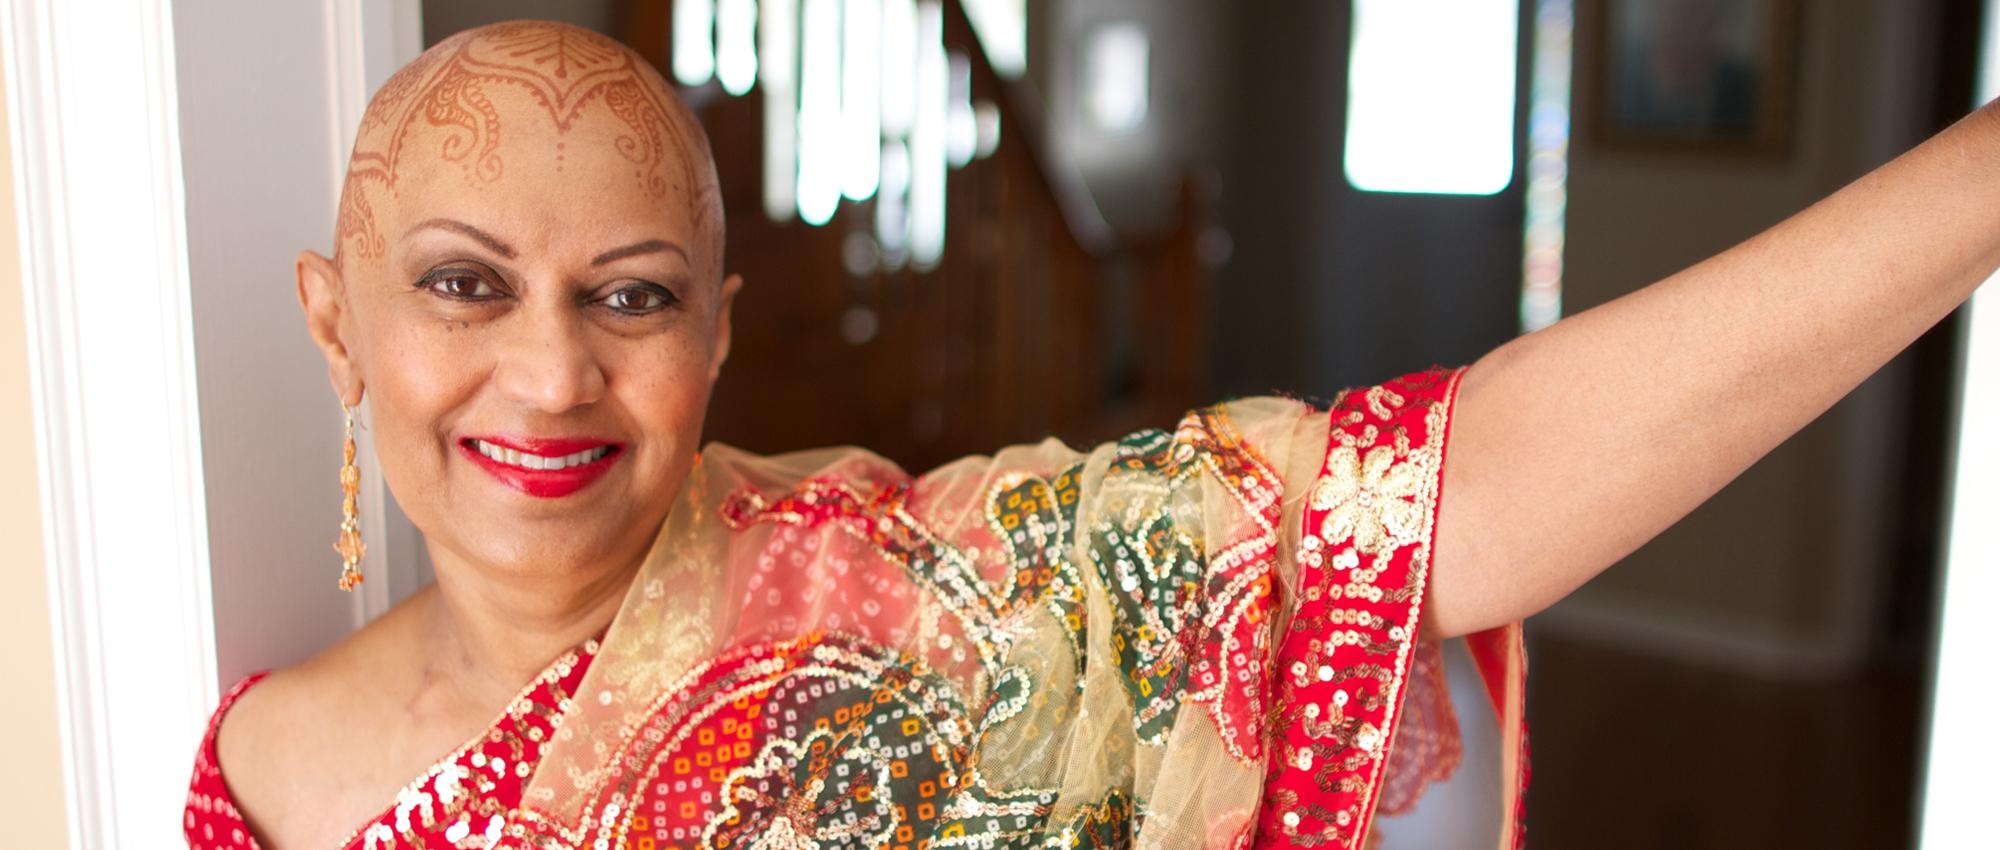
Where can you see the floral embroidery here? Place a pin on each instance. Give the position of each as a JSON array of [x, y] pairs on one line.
[[1364, 559], [1372, 499]]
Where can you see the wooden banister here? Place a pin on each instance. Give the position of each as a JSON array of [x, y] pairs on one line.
[[1038, 320]]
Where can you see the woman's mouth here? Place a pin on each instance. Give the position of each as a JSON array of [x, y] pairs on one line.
[[546, 468]]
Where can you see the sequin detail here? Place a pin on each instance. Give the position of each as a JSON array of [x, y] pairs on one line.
[[1364, 557], [463, 801], [1192, 624]]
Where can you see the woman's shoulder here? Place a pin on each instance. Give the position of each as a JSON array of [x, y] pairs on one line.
[[276, 723], [362, 668], [359, 667], [276, 715]]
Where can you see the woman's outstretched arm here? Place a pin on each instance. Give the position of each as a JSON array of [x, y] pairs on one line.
[[1574, 445]]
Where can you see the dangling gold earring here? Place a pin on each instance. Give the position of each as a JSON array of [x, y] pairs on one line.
[[349, 544]]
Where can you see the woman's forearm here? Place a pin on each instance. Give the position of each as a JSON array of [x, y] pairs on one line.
[[1574, 445]]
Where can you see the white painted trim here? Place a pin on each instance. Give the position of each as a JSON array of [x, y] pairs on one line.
[[104, 271], [1962, 742]]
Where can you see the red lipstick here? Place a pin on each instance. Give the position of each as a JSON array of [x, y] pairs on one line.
[[507, 458]]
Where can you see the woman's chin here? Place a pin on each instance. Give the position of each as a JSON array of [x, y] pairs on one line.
[[558, 555]]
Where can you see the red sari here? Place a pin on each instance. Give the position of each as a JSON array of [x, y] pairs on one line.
[[1202, 638]]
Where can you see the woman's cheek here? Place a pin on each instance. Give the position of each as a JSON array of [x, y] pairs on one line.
[[408, 368], [664, 389], [423, 369]]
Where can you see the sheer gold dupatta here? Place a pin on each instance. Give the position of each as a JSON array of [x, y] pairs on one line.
[[1041, 646]]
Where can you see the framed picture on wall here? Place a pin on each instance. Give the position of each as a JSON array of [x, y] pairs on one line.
[[1696, 76]]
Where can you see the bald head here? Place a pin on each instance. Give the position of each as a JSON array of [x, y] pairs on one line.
[[506, 114]]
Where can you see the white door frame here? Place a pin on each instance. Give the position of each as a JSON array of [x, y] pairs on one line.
[[154, 247], [1963, 744]]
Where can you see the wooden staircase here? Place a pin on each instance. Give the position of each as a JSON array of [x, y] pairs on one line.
[[1038, 321]]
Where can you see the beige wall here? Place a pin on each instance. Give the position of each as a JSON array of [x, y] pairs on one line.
[[31, 787], [1763, 556]]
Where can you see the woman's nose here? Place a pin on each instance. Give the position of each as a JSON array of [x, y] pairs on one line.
[[547, 364]]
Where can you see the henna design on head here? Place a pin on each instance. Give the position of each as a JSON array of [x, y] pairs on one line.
[[563, 69]]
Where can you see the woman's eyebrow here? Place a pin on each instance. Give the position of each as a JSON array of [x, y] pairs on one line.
[[650, 246], [482, 237]]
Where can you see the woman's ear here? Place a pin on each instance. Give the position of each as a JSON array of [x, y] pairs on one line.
[[323, 297], [720, 352]]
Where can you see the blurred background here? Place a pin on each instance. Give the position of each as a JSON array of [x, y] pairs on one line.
[[993, 220], [969, 223]]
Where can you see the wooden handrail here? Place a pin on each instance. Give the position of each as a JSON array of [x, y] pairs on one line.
[[1038, 319], [1021, 123]]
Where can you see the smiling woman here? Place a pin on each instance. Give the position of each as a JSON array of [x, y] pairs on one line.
[[526, 287], [578, 323], [1276, 625]]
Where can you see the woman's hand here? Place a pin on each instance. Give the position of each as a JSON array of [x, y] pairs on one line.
[[1572, 446]]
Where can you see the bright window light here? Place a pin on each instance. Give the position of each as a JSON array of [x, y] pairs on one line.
[[961, 133], [778, 54], [1430, 98], [736, 45], [899, 67], [861, 98], [1115, 68], [892, 214], [1002, 28], [986, 120], [819, 112], [694, 41], [927, 139]]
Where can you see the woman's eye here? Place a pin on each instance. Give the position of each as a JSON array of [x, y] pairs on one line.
[[639, 300], [460, 286]]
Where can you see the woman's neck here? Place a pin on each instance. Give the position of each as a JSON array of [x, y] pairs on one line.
[[496, 633]]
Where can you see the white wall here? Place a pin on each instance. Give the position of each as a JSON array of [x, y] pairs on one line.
[[270, 95], [1783, 571]]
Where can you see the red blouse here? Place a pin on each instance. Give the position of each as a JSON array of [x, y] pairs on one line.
[[464, 800]]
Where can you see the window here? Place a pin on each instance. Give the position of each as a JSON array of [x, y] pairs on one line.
[[1430, 99]]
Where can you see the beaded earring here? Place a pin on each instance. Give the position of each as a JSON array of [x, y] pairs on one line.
[[349, 544]]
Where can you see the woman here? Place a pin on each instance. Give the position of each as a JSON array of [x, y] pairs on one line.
[[1265, 627]]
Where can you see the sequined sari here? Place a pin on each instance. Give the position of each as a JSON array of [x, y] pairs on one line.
[[1196, 638]]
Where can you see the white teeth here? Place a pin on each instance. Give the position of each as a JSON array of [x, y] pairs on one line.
[[527, 460]]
